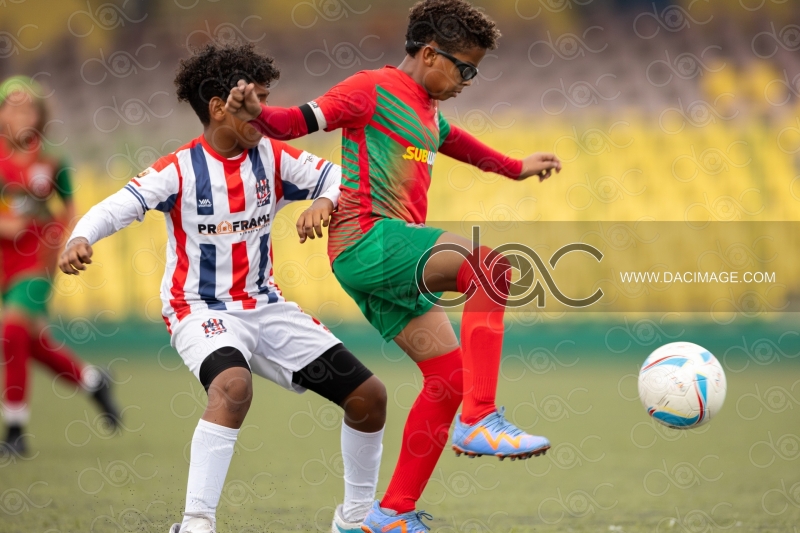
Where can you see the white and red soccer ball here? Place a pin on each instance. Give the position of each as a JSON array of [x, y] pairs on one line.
[[682, 385]]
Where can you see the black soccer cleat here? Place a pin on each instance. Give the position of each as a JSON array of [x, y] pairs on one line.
[[98, 384], [14, 444]]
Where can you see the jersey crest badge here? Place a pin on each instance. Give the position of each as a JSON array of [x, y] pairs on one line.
[[213, 326], [262, 192]]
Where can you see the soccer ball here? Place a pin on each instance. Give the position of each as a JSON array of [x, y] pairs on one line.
[[682, 385]]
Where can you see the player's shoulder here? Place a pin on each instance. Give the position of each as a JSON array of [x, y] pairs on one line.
[[170, 162], [276, 148], [363, 80], [387, 79]]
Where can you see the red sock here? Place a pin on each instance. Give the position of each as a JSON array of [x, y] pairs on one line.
[[482, 328], [60, 360], [15, 352], [426, 430]]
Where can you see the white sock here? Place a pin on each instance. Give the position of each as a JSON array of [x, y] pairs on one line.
[[91, 378], [361, 453], [212, 450], [16, 413]]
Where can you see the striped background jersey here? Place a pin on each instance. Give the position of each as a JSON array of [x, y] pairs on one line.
[[391, 132], [219, 213]]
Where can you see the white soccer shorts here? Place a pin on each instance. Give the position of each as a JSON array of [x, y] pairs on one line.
[[276, 339]]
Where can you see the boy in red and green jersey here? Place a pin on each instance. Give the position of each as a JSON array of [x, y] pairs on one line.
[[30, 238], [392, 131]]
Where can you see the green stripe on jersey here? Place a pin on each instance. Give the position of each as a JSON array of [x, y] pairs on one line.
[[350, 166], [444, 128], [382, 149], [390, 101], [400, 132], [386, 169], [403, 120]]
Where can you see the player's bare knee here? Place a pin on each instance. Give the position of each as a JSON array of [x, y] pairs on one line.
[[230, 395], [236, 391], [365, 407], [225, 374]]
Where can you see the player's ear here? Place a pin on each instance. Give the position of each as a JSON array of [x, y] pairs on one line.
[[428, 55], [216, 109]]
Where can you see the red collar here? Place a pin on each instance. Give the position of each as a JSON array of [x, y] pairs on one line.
[[230, 161]]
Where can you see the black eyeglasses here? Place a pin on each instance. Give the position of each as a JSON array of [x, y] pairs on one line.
[[467, 70]]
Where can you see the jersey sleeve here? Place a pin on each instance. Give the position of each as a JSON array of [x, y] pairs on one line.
[[349, 104], [444, 129], [304, 176], [150, 189], [63, 181], [462, 146]]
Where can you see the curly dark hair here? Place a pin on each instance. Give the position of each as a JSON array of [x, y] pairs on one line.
[[214, 70], [455, 25]]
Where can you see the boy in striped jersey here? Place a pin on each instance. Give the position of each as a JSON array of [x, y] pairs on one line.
[[391, 132], [226, 315]]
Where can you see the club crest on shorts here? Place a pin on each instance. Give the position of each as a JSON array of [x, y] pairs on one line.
[[262, 192], [213, 326]]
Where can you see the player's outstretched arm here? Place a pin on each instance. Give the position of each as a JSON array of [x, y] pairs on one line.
[[464, 147], [274, 122], [106, 218], [349, 104], [150, 189]]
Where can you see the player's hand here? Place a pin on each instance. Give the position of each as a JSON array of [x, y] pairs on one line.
[[243, 102], [75, 256], [11, 227], [540, 164], [313, 219]]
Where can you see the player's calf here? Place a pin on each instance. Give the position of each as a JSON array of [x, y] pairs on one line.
[[225, 374], [340, 377], [362, 433]]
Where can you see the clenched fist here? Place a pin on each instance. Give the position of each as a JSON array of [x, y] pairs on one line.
[[76, 255], [243, 102]]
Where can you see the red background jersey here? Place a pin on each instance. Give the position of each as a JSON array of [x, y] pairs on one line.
[[27, 182]]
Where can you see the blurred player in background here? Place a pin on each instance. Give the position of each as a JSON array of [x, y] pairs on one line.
[[226, 315], [392, 131], [30, 238]]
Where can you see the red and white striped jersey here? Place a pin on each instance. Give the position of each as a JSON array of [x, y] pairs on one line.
[[219, 213]]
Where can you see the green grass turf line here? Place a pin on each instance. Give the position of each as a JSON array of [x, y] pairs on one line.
[[609, 465]]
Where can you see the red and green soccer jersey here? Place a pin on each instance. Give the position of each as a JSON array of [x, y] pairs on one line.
[[27, 182], [391, 132]]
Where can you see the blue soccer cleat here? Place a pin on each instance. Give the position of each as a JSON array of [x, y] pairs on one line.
[[494, 435], [379, 522]]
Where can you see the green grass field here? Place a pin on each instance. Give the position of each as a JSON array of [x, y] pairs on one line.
[[610, 469]]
